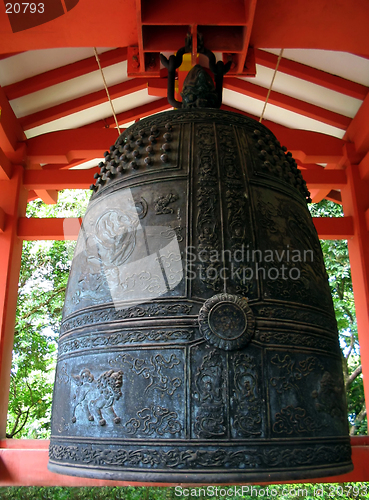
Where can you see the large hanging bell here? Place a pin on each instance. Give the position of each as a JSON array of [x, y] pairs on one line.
[[198, 341]]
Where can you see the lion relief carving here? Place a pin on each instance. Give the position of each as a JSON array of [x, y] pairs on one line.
[[96, 396]]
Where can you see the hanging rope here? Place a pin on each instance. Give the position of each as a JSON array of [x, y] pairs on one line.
[[271, 84], [106, 89]]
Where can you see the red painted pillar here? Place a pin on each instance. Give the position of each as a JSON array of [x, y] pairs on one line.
[[355, 202], [13, 200]]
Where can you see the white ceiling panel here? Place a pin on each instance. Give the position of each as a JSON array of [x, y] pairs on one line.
[[68, 90], [34, 62]]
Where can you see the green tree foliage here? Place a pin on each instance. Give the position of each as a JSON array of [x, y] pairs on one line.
[[337, 263], [42, 283]]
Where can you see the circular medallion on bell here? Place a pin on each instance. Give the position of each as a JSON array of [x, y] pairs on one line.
[[226, 321]]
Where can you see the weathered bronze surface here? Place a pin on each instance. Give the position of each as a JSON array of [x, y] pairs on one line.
[[198, 341]]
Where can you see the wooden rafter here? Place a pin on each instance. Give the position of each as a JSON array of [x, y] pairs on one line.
[[66, 146], [312, 75], [60, 179], [358, 131], [81, 103], [133, 114], [63, 74], [286, 102], [10, 130]]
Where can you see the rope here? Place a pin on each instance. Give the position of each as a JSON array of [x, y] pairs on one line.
[[106, 89], [271, 84]]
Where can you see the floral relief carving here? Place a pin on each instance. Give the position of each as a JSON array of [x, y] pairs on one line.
[[154, 420]]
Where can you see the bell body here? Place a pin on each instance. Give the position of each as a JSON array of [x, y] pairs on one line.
[[198, 341]]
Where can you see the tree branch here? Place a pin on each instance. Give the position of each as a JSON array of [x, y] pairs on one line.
[[353, 376], [45, 303], [359, 418], [352, 343], [12, 432]]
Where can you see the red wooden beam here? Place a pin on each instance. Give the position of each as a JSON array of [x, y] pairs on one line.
[[133, 114], [10, 130], [48, 196], [58, 179], [324, 25], [33, 455], [334, 196], [64, 73], [6, 167], [30, 228], [334, 228], [158, 87], [320, 179], [60, 166], [312, 75], [81, 103], [364, 167], [355, 202], [66, 146], [13, 199], [250, 15], [31, 196], [287, 102], [358, 131], [2, 220], [9, 54]]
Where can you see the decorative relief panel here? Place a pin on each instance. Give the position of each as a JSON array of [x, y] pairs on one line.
[[246, 403], [300, 315], [227, 398], [207, 220], [296, 339], [329, 397], [291, 372], [105, 244], [293, 421], [96, 396], [154, 420], [108, 315], [154, 370], [209, 396], [139, 395], [248, 458], [237, 225], [304, 397], [292, 271], [125, 337], [161, 204]]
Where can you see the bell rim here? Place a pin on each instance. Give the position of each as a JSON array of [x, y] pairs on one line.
[[213, 477]]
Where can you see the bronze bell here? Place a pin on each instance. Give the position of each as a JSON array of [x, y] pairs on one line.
[[198, 341]]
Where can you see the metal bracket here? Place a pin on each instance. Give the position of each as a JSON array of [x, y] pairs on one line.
[[219, 69]]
